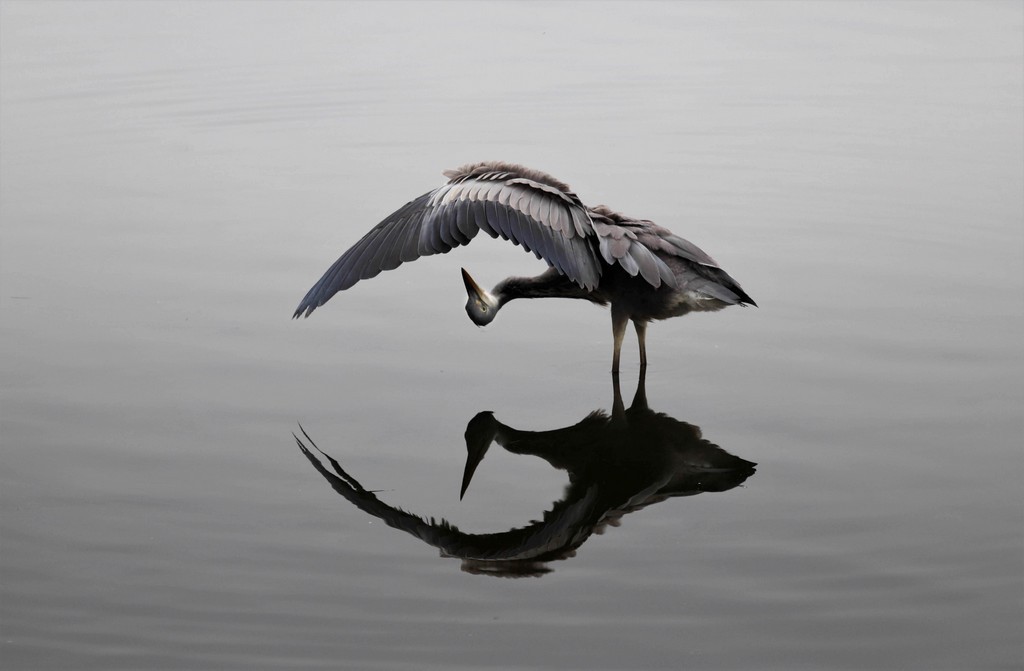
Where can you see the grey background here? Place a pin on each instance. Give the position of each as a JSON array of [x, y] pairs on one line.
[[174, 176]]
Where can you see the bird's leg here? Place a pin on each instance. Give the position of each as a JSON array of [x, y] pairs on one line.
[[618, 408], [640, 397], [641, 336], [619, 321]]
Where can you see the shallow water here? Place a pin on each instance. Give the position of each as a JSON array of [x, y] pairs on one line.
[[175, 176]]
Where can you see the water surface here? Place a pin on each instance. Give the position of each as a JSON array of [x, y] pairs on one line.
[[174, 177]]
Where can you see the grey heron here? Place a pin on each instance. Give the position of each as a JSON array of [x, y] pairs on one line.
[[642, 270]]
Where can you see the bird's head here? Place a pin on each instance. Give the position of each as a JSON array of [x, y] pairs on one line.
[[481, 306]]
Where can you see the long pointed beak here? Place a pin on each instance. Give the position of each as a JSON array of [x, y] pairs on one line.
[[471, 286]]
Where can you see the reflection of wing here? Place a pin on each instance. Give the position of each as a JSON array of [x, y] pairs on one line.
[[518, 204], [561, 530]]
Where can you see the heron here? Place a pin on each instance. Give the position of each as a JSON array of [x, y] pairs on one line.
[[643, 271]]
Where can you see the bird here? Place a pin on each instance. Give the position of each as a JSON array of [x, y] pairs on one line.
[[643, 271]]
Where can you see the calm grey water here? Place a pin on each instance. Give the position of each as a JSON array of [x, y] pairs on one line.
[[174, 177]]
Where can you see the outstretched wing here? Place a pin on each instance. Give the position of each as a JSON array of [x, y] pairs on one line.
[[524, 206]]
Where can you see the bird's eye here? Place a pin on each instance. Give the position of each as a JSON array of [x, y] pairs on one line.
[[483, 308]]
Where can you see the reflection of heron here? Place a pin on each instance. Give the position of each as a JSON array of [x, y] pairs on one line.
[[643, 270], [616, 464]]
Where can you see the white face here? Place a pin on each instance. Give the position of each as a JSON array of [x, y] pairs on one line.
[[480, 309]]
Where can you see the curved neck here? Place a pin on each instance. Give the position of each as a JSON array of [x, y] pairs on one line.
[[550, 284]]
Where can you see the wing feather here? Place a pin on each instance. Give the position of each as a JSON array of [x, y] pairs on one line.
[[476, 221], [548, 248], [628, 243], [410, 238], [495, 218], [687, 250], [537, 206], [518, 222], [386, 257], [430, 233]]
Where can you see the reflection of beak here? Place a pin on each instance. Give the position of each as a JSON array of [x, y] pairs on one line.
[[472, 288], [479, 435]]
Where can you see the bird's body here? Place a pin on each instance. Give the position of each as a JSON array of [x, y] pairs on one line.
[[642, 270]]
